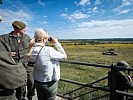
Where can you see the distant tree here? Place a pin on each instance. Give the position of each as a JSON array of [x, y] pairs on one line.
[[75, 43]]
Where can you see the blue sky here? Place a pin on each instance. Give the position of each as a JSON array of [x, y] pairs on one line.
[[71, 19]]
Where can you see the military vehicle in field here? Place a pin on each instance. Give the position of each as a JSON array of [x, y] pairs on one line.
[[110, 52]]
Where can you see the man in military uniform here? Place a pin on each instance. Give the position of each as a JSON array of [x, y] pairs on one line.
[[123, 81], [19, 43], [7, 92]]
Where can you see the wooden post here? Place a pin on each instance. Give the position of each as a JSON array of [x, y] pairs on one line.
[[113, 83]]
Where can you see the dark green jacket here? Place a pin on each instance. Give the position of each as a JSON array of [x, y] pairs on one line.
[[18, 44], [122, 81], [12, 74]]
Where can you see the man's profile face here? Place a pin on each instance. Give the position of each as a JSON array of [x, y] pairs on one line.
[[22, 31]]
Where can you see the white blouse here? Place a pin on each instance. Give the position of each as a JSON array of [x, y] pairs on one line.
[[47, 68]]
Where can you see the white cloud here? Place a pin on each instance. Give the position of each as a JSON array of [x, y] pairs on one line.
[[83, 3], [97, 2], [109, 23], [64, 15], [41, 3], [99, 29], [123, 8], [127, 3], [43, 22], [8, 16], [125, 11], [66, 9], [75, 16], [95, 9], [45, 16]]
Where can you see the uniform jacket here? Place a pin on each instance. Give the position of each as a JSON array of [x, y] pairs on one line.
[[12, 74], [18, 44]]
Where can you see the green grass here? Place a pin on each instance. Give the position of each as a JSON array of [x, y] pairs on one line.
[[91, 54]]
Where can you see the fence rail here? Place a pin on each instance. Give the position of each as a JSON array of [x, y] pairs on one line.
[[110, 92]]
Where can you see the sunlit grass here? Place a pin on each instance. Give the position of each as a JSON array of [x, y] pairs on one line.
[[91, 54]]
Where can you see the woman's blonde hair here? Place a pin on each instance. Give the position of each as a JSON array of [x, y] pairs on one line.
[[39, 34]]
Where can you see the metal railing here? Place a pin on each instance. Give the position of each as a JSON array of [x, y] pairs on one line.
[[110, 93]]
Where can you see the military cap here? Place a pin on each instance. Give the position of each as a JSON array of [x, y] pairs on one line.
[[19, 25], [122, 63]]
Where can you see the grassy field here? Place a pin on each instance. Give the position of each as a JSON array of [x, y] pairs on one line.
[[91, 54]]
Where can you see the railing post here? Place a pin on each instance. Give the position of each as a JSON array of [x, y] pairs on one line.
[[113, 83], [70, 99]]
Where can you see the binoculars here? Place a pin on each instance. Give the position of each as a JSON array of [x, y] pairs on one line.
[[50, 39]]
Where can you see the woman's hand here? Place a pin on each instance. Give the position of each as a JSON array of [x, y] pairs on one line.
[[54, 40]]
